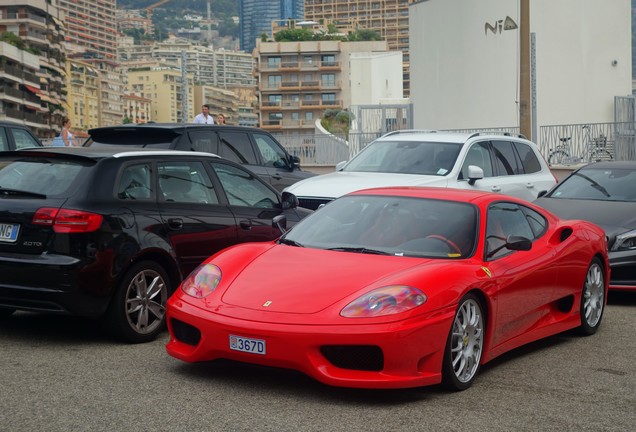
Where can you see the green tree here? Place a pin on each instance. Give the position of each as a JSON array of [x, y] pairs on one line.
[[293, 35]]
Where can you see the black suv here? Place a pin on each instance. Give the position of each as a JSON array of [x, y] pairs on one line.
[[109, 233], [253, 147], [15, 136]]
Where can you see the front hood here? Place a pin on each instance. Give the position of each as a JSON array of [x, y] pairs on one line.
[[615, 217], [340, 183], [306, 281]]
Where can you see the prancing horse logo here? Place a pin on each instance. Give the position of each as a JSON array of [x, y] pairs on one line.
[[267, 303]]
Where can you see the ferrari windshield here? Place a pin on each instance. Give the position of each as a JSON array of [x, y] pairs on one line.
[[406, 157], [613, 184], [390, 225]]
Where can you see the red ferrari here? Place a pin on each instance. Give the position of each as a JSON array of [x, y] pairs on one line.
[[395, 287]]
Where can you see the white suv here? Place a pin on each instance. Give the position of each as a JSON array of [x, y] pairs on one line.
[[490, 162]]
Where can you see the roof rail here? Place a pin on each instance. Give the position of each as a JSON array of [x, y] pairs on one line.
[[497, 133], [408, 131]]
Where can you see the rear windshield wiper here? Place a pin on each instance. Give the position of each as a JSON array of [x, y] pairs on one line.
[[19, 193], [360, 250]]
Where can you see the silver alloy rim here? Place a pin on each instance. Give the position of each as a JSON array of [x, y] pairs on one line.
[[593, 295], [146, 301], [467, 340]]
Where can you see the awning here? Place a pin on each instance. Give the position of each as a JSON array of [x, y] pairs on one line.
[[45, 98], [32, 89]]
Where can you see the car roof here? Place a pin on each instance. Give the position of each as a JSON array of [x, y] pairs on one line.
[[12, 124], [175, 127], [106, 152], [448, 194], [445, 136], [611, 165]]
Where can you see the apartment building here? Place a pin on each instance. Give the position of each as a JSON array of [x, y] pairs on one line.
[[390, 18], [256, 16], [221, 101], [91, 27], [32, 66], [83, 83], [298, 81], [164, 87], [137, 109]]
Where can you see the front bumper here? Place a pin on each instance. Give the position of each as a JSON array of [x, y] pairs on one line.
[[412, 350]]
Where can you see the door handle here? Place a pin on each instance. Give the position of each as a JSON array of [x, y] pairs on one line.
[[175, 223], [277, 177], [496, 189], [246, 225]]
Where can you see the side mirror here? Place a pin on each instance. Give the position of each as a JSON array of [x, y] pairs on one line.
[[474, 173], [542, 193], [340, 165], [518, 243], [289, 201], [295, 162], [280, 222]]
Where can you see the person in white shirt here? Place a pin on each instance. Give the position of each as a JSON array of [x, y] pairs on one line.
[[204, 117]]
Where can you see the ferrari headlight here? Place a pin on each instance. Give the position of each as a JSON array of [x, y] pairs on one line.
[[625, 241], [384, 301], [202, 281]]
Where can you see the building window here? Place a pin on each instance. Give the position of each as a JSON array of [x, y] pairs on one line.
[[274, 81], [309, 116], [295, 116], [329, 80], [328, 60], [273, 61]]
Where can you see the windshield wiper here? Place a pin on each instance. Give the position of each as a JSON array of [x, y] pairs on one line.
[[290, 242], [15, 192], [594, 184], [360, 250]]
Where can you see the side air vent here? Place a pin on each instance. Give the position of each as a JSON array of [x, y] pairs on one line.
[[567, 232]]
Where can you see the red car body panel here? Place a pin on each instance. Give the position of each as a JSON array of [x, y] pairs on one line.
[[291, 298]]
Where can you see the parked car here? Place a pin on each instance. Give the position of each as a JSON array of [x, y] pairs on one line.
[[488, 162], [15, 136], [109, 233], [603, 193], [395, 287], [252, 147]]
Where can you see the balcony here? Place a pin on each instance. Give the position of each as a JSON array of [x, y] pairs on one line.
[[274, 105], [272, 124], [329, 65]]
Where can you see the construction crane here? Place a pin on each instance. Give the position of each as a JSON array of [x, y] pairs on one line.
[[149, 10]]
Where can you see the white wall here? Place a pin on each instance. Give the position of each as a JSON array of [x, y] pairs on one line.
[[465, 76], [375, 76]]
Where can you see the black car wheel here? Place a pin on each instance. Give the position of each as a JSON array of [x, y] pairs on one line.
[[138, 309], [464, 346], [593, 298]]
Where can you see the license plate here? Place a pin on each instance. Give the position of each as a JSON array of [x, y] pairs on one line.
[[254, 346], [9, 232]]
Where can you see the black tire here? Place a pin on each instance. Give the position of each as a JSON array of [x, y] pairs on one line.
[[137, 312], [5, 312], [592, 298], [557, 157], [465, 344]]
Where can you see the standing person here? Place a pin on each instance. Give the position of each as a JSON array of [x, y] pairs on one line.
[[220, 119], [67, 136], [204, 117]]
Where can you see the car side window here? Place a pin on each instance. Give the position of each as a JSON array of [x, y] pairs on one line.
[[185, 182], [503, 220], [271, 153], [506, 158], [135, 182], [204, 141], [23, 139], [237, 147], [528, 157], [477, 155], [4, 142], [242, 188]]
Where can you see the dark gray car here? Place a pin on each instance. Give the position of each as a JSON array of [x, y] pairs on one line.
[[14, 136], [603, 193], [256, 149]]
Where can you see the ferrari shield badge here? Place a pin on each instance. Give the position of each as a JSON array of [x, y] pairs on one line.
[[487, 271]]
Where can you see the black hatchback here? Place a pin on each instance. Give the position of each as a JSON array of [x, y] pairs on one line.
[[252, 147], [109, 233]]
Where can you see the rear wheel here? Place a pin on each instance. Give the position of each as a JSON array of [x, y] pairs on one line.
[[600, 155], [593, 298], [138, 309], [465, 345], [557, 157]]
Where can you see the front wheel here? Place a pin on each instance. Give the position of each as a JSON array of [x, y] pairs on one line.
[[465, 345], [138, 308], [593, 298]]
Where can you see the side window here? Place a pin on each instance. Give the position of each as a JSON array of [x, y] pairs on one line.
[[506, 158], [185, 182], [503, 220], [537, 222], [236, 146], [204, 141], [271, 152], [23, 139], [243, 188], [4, 143], [478, 155], [134, 182], [528, 157]]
